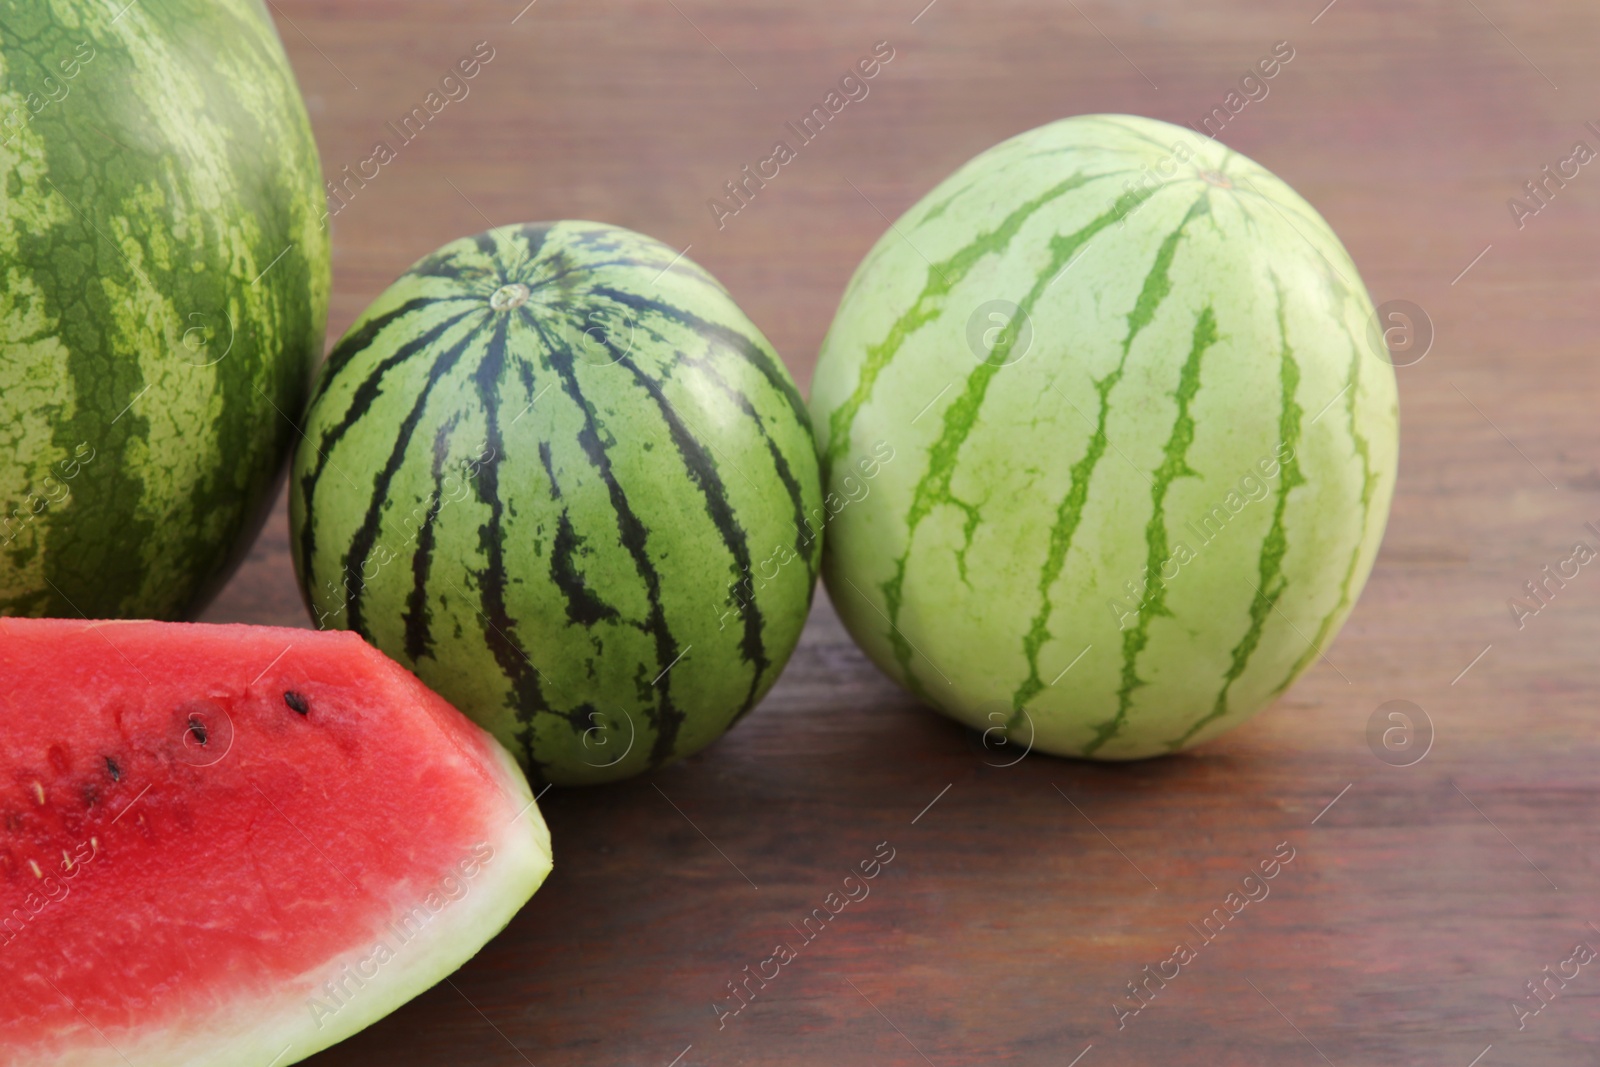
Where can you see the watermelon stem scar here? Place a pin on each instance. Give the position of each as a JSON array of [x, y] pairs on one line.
[[509, 296]]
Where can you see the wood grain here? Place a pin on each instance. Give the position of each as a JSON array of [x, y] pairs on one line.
[[1020, 904]]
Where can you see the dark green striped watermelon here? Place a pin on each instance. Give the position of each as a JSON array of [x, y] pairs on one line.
[[557, 472], [1144, 447], [165, 258]]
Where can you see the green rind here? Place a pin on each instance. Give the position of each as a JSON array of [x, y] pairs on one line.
[[552, 530], [1026, 499], [165, 257], [1069, 514], [1174, 465], [1269, 583]]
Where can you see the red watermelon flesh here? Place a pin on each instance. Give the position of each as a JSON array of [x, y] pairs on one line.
[[236, 844]]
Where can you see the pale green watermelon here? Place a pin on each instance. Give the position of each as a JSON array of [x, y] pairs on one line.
[[1132, 494]]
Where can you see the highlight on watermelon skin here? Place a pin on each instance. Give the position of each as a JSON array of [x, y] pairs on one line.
[[236, 844]]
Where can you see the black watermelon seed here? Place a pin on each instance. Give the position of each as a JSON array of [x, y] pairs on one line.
[[296, 701], [197, 728], [116, 772]]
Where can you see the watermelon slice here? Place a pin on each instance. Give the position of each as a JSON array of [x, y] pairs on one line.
[[236, 844]]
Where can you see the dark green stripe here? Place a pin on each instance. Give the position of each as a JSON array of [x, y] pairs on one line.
[[719, 336], [366, 535], [806, 542], [1174, 465], [698, 462], [357, 341], [492, 245], [584, 607], [702, 471], [418, 616], [527, 693], [360, 401], [666, 717], [1271, 582]]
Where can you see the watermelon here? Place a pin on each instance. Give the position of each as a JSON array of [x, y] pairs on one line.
[[1145, 445], [557, 472], [165, 261], [236, 844]]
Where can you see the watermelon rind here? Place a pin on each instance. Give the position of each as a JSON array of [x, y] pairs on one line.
[[521, 862], [1144, 442], [164, 249], [449, 876], [309, 1016]]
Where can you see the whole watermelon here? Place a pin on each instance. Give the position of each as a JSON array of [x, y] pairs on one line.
[[165, 259], [1145, 440], [557, 472]]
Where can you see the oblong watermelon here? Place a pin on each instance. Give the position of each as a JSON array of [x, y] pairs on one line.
[[1144, 447], [165, 256], [236, 845], [557, 472]]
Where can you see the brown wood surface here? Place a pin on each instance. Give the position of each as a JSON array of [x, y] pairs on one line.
[[1020, 905]]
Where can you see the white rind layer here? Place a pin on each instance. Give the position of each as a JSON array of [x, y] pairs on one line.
[[287, 1027]]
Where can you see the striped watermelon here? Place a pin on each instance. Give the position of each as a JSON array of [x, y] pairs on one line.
[[557, 472], [1145, 447], [166, 287]]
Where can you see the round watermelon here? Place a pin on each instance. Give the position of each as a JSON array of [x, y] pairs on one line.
[[555, 471], [165, 256], [1145, 440]]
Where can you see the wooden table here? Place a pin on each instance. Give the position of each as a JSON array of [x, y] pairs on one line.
[[1022, 902]]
